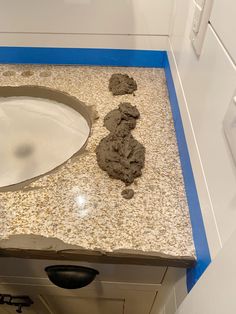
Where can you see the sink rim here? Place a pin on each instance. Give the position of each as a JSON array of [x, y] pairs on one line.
[[38, 91], [43, 92]]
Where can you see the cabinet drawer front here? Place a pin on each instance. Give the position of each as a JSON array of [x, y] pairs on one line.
[[107, 272]]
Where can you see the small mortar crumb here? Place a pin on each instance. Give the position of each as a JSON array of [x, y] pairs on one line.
[[127, 194], [121, 84]]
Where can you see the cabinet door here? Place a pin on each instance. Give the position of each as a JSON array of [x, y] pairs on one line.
[[54, 304], [75, 305], [97, 298]]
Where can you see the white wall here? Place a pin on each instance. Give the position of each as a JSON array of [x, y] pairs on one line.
[[86, 23], [205, 86], [225, 11], [215, 292]]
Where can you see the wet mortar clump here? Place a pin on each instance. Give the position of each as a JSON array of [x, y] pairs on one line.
[[121, 84], [122, 120], [119, 153]]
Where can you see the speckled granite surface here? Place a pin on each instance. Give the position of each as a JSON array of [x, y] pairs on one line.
[[78, 203]]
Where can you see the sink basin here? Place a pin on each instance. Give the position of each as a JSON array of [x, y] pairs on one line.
[[40, 129]]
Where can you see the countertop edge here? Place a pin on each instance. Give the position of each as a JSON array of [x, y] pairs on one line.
[[97, 257]]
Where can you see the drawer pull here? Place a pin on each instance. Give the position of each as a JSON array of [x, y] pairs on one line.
[[70, 277]]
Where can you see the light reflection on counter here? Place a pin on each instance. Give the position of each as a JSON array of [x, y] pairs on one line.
[[81, 202]]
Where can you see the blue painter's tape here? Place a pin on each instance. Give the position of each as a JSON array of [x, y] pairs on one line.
[[82, 56], [199, 235]]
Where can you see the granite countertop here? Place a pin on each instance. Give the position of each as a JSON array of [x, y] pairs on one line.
[[78, 208]]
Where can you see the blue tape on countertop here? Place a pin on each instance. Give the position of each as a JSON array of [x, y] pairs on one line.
[[82, 56], [199, 234]]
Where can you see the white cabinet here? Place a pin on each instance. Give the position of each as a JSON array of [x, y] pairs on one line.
[[5, 309], [118, 289], [61, 304], [97, 298], [21, 268], [39, 307]]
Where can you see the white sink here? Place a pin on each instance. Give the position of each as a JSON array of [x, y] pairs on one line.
[[36, 136]]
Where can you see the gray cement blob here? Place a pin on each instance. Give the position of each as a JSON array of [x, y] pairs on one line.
[[121, 84], [119, 153]]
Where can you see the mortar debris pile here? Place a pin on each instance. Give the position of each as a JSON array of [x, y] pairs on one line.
[[119, 153], [121, 84]]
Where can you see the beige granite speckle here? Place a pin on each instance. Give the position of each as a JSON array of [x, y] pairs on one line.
[[78, 203]]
